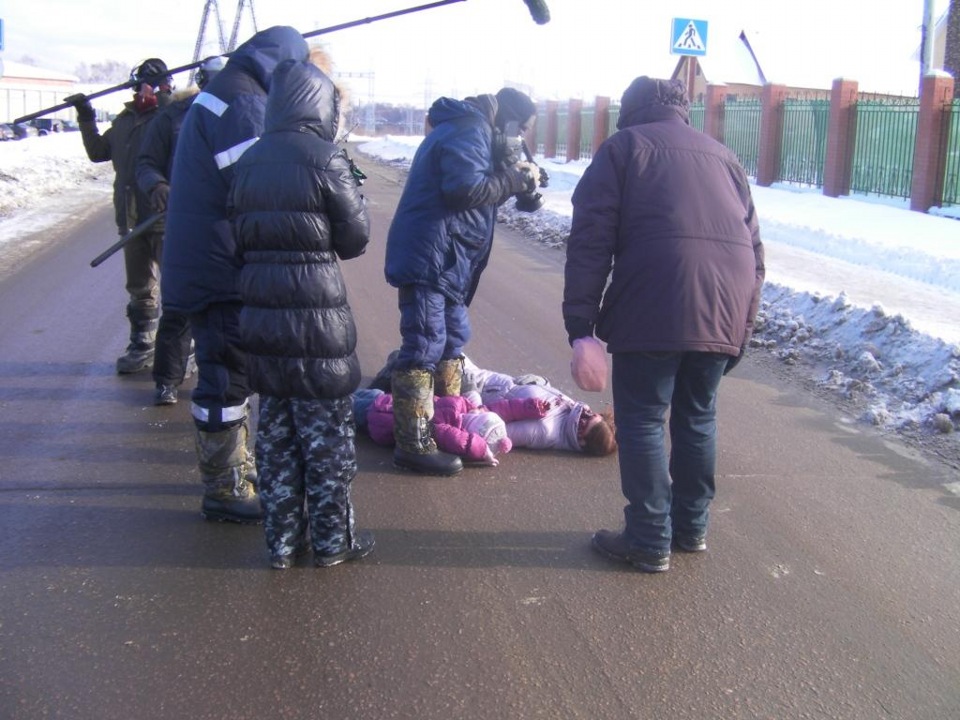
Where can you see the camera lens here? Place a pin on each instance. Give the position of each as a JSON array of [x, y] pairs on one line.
[[529, 202]]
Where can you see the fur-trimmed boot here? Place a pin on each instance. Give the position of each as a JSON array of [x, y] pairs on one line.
[[415, 448], [448, 377], [227, 493]]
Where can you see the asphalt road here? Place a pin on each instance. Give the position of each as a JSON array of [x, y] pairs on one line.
[[830, 589]]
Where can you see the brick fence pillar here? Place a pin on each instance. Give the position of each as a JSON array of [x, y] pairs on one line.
[[771, 134], [550, 136], [841, 136], [601, 123], [574, 128], [929, 154], [713, 104]]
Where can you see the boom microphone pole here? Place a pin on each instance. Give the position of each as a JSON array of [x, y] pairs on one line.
[[538, 11], [198, 63]]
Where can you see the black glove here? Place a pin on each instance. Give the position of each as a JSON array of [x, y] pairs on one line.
[[85, 111], [159, 197], [732, 362]]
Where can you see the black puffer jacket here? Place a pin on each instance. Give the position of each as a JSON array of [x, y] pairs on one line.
[[296, 208]]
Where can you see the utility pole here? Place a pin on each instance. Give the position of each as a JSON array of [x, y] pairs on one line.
[[370, 107], [236, 23], [208, 6], [204, 19]]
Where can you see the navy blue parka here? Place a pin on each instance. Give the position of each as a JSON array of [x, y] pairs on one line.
[[442, 232], [200, 263]]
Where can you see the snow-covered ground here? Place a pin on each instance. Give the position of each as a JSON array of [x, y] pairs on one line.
[[862, 300]]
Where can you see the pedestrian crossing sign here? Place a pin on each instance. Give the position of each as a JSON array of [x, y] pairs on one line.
[[689, 37]]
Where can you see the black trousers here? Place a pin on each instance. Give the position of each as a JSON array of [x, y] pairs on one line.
[[173, 348]]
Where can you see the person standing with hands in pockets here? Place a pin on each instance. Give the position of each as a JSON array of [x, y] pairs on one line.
[[666, 214]]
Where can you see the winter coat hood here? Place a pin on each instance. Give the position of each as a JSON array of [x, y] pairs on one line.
[[260, 55], [302, 96], [649, 100], [446, 109]]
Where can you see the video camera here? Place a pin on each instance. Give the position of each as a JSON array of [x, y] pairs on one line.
[[510, 149]]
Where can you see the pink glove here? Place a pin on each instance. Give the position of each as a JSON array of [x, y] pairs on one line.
[[589, 364]]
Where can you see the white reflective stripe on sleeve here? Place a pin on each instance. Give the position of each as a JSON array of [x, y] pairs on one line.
[[229, 156], [227, 414], [212, 103]]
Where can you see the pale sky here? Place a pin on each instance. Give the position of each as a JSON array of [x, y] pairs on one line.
[[587, 49]]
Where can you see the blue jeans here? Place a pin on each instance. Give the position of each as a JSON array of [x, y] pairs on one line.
[[645, 386]]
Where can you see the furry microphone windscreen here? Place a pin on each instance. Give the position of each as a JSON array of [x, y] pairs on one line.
[[539, 11]]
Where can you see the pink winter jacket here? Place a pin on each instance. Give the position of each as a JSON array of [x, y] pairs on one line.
[[446, 431]]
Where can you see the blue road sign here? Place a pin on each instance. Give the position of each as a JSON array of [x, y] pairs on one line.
[[1, 34], [689, 37]]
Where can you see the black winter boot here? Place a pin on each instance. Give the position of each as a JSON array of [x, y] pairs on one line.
[[143, 340], [416, 449]]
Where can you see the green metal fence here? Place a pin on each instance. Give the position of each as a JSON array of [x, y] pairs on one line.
[[882, 156], [587, 121], [883, 151], [804, 149], [741, 131], [696, 116], [562, 114], [951, 179]]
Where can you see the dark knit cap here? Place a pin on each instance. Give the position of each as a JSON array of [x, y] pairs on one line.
[[513, 105]]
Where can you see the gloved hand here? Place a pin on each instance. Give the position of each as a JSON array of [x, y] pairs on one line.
[[521, 178], [159, 197], [531, 173], [85, 111], [589, 364], [732, 361]]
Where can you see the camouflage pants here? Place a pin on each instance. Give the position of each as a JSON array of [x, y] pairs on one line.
[[306, 457]]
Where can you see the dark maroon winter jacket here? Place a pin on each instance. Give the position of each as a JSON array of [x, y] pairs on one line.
[[665, 213]]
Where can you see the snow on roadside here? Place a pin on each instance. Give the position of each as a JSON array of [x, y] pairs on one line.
[[35, 170]]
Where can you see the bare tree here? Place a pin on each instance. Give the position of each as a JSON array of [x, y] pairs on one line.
[[108, 71]]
